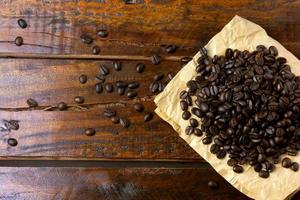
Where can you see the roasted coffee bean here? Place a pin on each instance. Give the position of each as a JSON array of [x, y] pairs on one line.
[[131, 94], [193, 122], [100, 78], [158, 77], [155, 59], [273, 51], [238, 169], [115, 119], [86, 39], [11, 124], [117, 65], [213, 184], [19, 41], [171, 48], [138, 107], [184, 105], [12, 142], [295, 166], [186, 115], [109, 112], [264, 174], [140, 67], [124, 122], [98, 88], [62, 106], [22, 23], [121, 84], [206, 140], [170, 75], [189, 130], [185, 59], [121, 91], [90, 132], [104, 70], [148, 116], [102, 33], [96, 50], [286, 163], [133, 85], [192, 85], [198, 132], [109, 87], [79, 99], [83, 78], [31, 103], [154, 87]]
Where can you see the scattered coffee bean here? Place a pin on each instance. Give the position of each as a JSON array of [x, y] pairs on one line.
[[121, 91], [115, 119], [186, 115], [140, 67], [22, 23], [124, 122], [155, 59], [19, 41], [32, 103], [121, 84], [96, 50], [198, 132], [138, 107], [286, 163], [12, 142], [104, 70], [213, 184], [109, 87], [158, 77], [117, 65], [83, 78], [86, 39], [11, 125], [90, 132], [133, 85], [264, 174], [170, 75], [238, 169], [154, 87], [295, 166], [184, 105], [99, 88], [189, 130], [62, 106], [102, 33], [109, 112], [148, 116], [206, 140], [79, 99], [100, 78], [131, 94]]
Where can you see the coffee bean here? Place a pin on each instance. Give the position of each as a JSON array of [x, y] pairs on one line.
[[273, 51], [158, 77], [193, 122], [264, 174], [124, 122], [62, 106], [12, 142], [102, 33], [170, 75], [109, 87], [109, 112], [117, 65], [104, 70], [186, 115], [19, 41], [86, 39], [121, 84], [203, 51], [79, 99], [184, 105], [148, 116], [155, 59], [198, 132], [213, 184], [140, 67], [286, 163], [115, 119], [295, 166], [189, 130], [238, 169], [138, 107], [133, 85], [192, 85], [206, 140], [100, 78], [22, 23], [121, 91], [154, 87], [90, 132], [171, 48], [96, 50], [131, 94], [83, 78], [99, 88], [32, 103], [185, 60]]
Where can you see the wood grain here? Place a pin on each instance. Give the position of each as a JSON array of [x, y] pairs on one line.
[[51, 81], [122, 183], [54, 27]]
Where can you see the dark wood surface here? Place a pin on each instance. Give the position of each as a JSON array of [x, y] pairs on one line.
[[46, 68]]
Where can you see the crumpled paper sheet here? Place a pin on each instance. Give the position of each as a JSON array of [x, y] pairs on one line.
[[240, 34]]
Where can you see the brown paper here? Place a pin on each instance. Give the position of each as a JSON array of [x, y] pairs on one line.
[[239, 34]]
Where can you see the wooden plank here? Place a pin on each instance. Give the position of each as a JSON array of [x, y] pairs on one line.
[[60, 135], [50, 81], [54, 27], [122, 183]]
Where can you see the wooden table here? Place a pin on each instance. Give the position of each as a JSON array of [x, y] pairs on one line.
[[53, 158]]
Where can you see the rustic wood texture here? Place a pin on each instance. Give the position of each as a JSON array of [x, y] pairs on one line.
[[54, 27], [122, 183]]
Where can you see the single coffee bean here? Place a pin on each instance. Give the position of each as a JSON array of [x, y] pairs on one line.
[[170, 75], [295, 166], [99, 88], [79, 99], [264, 174], [189, 130], [19, 41], [32, 103], [155, 59], [96, 50], [121, 84], [238, 169], [213, 184], [148, 116], [102, 33], [186, 115], [100, 78], [184, 105], [62, 106], [22, 23], [109, 87], [115, 119], [83, 78], [104, 70], [12, 142], [154, 87], [273, 51], [131, 94], [158, 77], [203, 51], [90, 132], [192, 85], [198, 132], [109, 112], [171, 48], [140, 67], [86, 39], [124, 122], [133, 85], [138, 107], [117, 65], [121, 91], [286, 163], [206, 140], [193, 122]]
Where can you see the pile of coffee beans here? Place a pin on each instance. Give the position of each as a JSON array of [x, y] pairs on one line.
[[248, 104]]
